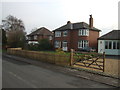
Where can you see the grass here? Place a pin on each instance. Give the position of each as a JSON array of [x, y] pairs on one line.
[[58, 53], [68, 53]]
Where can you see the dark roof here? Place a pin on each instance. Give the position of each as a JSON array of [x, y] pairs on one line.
[[79, 25], [113, 35], [41, 31]]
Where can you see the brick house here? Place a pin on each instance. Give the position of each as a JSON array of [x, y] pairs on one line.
[[41, 33], [76, 35], [110, 43]]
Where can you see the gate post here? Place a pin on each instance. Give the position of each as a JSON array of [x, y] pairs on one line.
[[71, 57], [103, 61]]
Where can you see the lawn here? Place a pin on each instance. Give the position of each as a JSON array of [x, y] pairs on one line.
[[57, 52]]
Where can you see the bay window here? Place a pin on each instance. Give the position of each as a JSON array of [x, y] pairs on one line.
[[112, 44]]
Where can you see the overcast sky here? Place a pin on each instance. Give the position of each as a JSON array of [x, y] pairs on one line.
[[55, 13]]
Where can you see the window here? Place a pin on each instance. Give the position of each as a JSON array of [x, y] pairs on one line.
[[106, 45], [29, 38], [57, 34], [118, 45], [112, 45], [82, 43], [57, 44], [83, 32], [65, 33], [50, 37], [35, 37], [64, 44]]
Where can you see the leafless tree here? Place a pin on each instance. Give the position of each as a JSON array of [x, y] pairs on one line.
[[15, 31]]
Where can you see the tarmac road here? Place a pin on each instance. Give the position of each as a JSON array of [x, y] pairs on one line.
[[17, 74]]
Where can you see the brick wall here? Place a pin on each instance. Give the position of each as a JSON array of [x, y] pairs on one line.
[[93, 35]]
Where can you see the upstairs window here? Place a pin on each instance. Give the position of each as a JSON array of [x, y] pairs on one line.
[[57, 34], [65, 33], [50, 37], [35, 37], [83, 32]]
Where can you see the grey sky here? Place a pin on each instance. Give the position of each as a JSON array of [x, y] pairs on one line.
[[55, 13]]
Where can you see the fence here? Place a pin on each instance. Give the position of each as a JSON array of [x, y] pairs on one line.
[[91, 60], [62, 60], [108, 66]]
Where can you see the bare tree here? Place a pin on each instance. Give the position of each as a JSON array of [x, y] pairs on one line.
[[15, 31], [34, 29]]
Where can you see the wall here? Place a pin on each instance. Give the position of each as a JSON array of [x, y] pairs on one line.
[[93, 35]]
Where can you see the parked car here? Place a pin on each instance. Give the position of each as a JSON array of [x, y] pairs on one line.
[[88, 49]]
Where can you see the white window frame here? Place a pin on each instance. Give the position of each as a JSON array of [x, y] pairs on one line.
[[57, 44], [83, 32], [35, 37], [65, 33], [57, 34], [64, 44], [111, 44], [50, 37], [83, 43]]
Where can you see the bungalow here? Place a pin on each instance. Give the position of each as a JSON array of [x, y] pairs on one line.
[[110, 43], [41, 33], [76, 35]]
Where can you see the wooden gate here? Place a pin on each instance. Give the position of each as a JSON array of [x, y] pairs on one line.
[[88, 60]]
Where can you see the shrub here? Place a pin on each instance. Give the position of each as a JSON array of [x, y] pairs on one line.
[[44, 44], [60, 51]]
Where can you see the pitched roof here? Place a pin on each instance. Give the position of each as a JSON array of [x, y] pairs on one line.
[[113, 35], [41, 31], [79, 25]]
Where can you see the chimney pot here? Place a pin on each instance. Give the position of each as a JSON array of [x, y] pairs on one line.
[[70, 25], [68, 22], [91, 21]]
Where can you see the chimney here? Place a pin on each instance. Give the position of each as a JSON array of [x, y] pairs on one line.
[[70, 25], [91, 21]]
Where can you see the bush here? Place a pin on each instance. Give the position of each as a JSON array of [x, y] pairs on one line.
[[45, 45], [33, 47]]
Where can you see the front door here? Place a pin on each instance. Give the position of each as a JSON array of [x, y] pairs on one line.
[[64, 46]]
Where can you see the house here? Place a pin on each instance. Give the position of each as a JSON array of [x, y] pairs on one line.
[[76, 35], [110, 43], [41, 33]]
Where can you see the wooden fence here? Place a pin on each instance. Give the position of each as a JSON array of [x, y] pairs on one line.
[[88, 60], [53, 58], [97, 62]]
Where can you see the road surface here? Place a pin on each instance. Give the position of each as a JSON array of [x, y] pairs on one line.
[[17, 74]]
